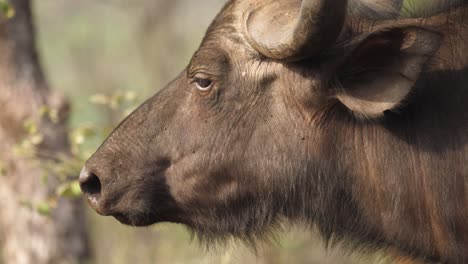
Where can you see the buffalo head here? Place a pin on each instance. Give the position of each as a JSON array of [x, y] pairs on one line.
[[248, 133]]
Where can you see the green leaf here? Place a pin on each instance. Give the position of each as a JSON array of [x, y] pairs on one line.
[[7, 9], [54, 116], [36, 139], [3, 169], [81, 134], [25, 148], [130, 96], [51, 113], [78, 139], [69, 190], [44, 111], [30, 126], [88, 131], [116, 101], [44, 208], [99, 99]]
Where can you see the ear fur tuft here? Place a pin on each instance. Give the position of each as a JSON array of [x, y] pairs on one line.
[[382, 69]]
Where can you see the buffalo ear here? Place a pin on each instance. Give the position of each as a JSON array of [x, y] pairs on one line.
[[382, 68]]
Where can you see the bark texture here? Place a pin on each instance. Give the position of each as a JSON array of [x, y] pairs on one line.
[[25, 236]]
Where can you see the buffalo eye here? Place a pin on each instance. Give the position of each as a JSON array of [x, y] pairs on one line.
[[203, 84]]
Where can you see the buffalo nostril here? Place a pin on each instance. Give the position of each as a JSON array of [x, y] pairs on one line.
[[89, 183]]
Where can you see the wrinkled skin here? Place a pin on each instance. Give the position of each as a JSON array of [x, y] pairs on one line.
[[344, 140], [206, 144]]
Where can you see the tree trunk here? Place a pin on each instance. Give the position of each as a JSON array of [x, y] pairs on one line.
[[25, 235]]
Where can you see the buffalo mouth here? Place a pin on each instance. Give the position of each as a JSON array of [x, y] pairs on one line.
[[135, 220], [149, 217]]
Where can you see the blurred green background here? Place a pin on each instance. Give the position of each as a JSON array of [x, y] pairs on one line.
[[113, 47]]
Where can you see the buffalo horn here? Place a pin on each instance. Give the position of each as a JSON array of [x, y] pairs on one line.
[[292, 30]]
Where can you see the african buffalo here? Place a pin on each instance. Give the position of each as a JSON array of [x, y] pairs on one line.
[[310, 112]]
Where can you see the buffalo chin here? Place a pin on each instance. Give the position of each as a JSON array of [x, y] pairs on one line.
[[136, 220]]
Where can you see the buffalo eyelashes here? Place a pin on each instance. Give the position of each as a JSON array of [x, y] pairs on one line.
[[203, 84]]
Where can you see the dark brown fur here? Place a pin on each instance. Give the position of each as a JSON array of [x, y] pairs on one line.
[[273, 142]]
